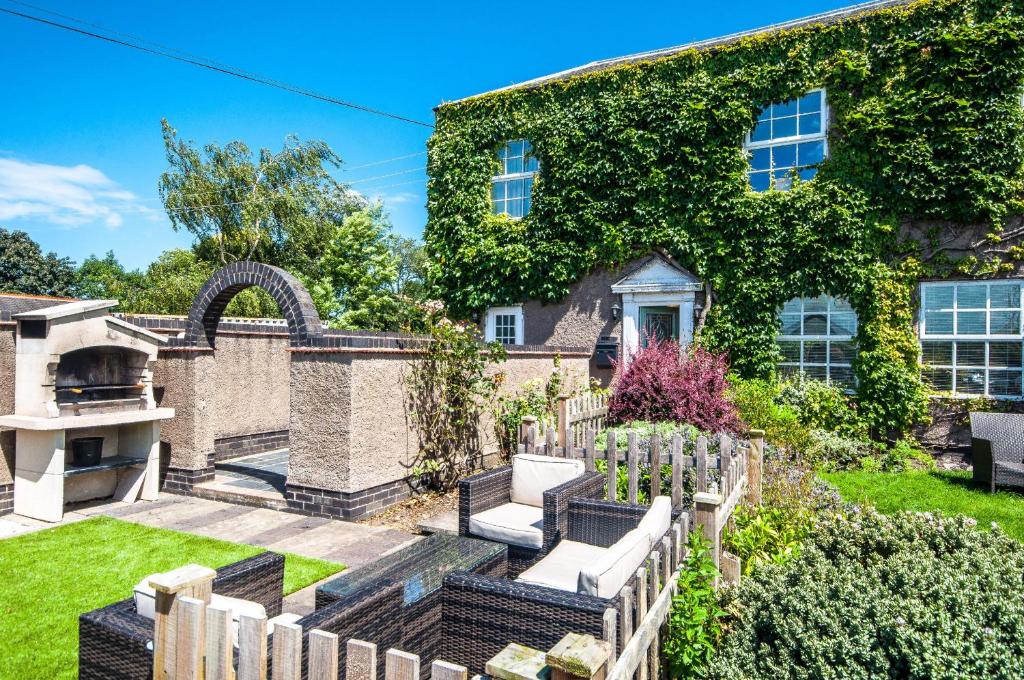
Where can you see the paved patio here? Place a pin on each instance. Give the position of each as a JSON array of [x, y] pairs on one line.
[[333, 540], [259, 472]]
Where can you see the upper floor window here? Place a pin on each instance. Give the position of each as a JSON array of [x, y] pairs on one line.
[[504, 325], [511, 190], [816, 339], [789, 137], [971, 337]]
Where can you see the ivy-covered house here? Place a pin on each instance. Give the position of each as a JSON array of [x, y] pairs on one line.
[[839, 196]]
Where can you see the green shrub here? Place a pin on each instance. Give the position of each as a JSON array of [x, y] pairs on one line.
[[759, 405], [824, 407], [763, 533], [905, 454], [916, 596], [695, 622], [832, 451]]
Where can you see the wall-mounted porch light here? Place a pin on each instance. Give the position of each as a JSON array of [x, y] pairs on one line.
[[616, 310]]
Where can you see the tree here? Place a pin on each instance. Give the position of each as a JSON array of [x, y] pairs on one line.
[[107, 279], [412, 263], [25, 269], [278, 208]]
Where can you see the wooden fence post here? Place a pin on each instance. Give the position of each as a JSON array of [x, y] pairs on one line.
[[731, 568], [442, 670], [192, 580], [360, 660], [565, 438], [399, 665], [218, 643], [612, 457], [655, 466], [287, 652], [323, 655], [190, 638], [578, 657], [252, 647], [755, 461], [706, 515], [528, 433]]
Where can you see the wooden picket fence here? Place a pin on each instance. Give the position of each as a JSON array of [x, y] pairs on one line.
[[579, 415]]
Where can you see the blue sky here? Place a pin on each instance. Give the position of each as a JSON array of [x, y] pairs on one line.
[[80, 147]]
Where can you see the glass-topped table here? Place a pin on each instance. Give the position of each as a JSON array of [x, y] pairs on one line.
[[421, 567]]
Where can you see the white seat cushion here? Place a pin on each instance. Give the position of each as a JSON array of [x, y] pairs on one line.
[[561, 567], [606, 576], [282, 618], [658, 519], [512, 523], [533, 475], [145, 598]]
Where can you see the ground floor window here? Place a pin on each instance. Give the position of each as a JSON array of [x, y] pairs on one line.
[[971, 338], [504, 325], [816, 339]]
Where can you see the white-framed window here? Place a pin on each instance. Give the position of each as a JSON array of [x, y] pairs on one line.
[[816, 339], [789, 136], [511, 190], [504, 325], [971, 339]]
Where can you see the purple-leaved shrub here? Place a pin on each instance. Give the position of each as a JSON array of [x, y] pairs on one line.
[[663, 384]]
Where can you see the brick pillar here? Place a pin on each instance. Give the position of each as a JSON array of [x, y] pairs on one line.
[[184, 379]]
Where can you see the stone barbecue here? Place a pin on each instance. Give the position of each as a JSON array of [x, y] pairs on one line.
[[82, 373]]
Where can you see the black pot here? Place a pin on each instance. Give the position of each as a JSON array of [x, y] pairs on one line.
[[86, 451]]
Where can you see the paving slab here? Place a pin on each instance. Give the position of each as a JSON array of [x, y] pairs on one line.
[[441, 523]]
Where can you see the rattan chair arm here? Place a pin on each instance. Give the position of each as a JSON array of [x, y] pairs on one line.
[[600, 522], [481, 492], [556, 505]]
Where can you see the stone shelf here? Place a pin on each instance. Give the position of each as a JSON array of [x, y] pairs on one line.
[[88, 420], [108, 463]]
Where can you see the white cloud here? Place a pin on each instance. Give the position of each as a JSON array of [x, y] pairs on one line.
[[400, 198], [65, 195]]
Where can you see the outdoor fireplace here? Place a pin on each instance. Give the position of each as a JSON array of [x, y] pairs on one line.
[[83, 374]]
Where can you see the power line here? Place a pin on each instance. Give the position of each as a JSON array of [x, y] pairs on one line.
[[386, 160], [390, 174], [213, 66]]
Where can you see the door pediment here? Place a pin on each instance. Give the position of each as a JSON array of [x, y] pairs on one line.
[[658, 275]]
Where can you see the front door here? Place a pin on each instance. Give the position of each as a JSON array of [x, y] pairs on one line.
[[661, 323]]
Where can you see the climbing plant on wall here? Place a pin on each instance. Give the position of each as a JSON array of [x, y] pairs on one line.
[[926, 124]]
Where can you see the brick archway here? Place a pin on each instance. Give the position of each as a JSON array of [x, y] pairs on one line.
[[292, 298]]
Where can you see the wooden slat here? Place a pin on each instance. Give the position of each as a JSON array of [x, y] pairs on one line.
[[632, 466], [676, 535], [612, 454], [550, 442], [360, 660], [442, 670], [626, 612], [590, 453], [636, 650], [655, 466], [323, 655], [666, 560], [219, 649], [252, 647], [287, 652], [399, 665], [677, 470], [190, 639], [609, 626], [701, 453], [641, 614], [531, 439]]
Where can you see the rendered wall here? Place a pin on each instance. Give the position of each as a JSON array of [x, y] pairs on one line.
[[321, 420], [184, 380], [251, 383], [7, 357]]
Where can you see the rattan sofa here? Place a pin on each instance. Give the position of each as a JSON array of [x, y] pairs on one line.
[[997, 448], [482, 614], [115, 642], [493, 488]]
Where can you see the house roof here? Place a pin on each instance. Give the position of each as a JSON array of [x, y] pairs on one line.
[[823, 18], [657, 273]]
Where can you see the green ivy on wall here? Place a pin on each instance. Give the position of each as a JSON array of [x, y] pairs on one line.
[[926, 124]]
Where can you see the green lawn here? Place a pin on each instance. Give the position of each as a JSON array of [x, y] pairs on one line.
[[52, 576], [950, 492]]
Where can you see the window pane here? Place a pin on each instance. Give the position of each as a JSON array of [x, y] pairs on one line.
[[1004, 354], [816, 372], [790, 324], [939, 379], [498, 191], [760, 181], [815, 351], [970, 323], [783, 180], [1004, 323], [513, 165], [514, 208], [817, 304], [793, 305], [789, 371], [515, 188], [937, 353], [790, 350], [970, 381], [810, 102], [938, 297], [761, 159], [786, 108], [938, 323], [970, 354], [841, 305], [530, 164], [762, 132], [515, 148], [810, 124], [1005, 296], [812, 153], [807, 174], [765, 113], [844, 323], [784, 127], [784, 156], [1004, 383], [815, 324], [841, 352], [970, 296], [842, 376]]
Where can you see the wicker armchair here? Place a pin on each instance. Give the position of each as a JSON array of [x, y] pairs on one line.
[[490, 489], [482, 614], [997, 448], [114, 643]]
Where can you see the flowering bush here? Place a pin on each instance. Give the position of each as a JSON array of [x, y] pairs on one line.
[[908, 596], [660, 384]]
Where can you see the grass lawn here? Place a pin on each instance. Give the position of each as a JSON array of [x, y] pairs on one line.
[[52, 576], [950, 492]]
